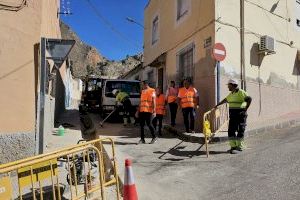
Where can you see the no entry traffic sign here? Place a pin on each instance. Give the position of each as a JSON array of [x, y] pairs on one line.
[[219, 52]]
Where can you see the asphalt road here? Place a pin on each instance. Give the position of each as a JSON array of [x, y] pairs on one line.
[[173, 169]]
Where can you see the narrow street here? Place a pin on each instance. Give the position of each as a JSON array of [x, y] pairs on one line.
[[173, 169]]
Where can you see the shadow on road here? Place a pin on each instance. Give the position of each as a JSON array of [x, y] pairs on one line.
[[179, 151]]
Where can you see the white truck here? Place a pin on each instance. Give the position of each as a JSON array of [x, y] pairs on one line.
[[131, 87]]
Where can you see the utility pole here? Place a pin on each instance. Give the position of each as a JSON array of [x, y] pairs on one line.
[[242, 37]]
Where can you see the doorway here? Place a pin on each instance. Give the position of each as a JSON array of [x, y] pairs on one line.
[[160, 78]]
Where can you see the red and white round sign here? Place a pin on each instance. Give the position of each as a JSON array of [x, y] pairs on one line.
[[219, 52]]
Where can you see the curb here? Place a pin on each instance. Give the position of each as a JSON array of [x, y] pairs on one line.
[[195, 138], [275, 126]]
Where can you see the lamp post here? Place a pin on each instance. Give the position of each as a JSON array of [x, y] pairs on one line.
[[135, 22]]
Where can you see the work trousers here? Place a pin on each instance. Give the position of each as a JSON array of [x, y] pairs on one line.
[[159, 119], [189, 118], [173, 111], [237, 123], [127, 108], [145, 118]]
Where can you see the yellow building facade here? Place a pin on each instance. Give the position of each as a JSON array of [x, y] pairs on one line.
[[20, 36], [179, 36]]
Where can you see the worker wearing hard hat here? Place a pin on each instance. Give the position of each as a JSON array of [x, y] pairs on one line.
[[123, 98], [239, 102]]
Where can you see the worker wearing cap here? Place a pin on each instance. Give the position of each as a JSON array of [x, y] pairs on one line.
[[160, 110], [147, 111], [188, 100], [239, 102], [123, 98]]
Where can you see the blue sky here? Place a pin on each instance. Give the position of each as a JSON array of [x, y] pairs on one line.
[[93, 31]]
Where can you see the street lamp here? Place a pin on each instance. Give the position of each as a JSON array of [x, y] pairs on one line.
[[135, 22]]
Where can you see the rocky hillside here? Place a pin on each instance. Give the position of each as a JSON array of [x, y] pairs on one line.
[[86, 60]]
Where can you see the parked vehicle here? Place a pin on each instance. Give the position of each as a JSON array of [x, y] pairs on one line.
[[132, 87], [91, 96]]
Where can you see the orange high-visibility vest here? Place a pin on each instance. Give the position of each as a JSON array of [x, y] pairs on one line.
[[187, 97], [146, 104], [172, 95], [160, 105]]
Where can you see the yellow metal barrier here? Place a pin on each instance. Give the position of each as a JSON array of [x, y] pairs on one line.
[[45, 177], [214, 121]]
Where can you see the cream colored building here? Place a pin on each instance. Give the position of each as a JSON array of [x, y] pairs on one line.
[[21, 30], [179, 35]]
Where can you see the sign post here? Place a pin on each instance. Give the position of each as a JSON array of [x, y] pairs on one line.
[[219, 54], [56, 50]]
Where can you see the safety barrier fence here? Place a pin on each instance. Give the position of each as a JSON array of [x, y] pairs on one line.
[[214, 121], [76, 172]]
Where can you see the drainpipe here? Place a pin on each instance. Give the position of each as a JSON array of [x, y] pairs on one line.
[[242, 37]]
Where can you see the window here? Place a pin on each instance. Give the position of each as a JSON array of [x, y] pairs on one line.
[[155, 30], [185, 63], [150, 77], [182, 8], [298, 14], [130, 87]]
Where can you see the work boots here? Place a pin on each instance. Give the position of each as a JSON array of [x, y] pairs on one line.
[[125, 121], [240, 144], [153, 140], [236, 146]]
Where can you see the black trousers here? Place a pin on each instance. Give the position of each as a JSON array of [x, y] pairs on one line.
[[189, 123], [159, 119], [237, 123], [127, 108], [145, 118], [173, 111]]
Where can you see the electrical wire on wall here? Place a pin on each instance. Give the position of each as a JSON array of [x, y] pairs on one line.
[[266, 10], [247, 31], [15, 8], [266, 13]]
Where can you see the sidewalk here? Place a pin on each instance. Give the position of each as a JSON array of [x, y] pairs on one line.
[[253, 128], [71, 122]]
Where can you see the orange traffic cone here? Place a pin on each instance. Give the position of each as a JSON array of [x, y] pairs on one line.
[[129, 189]]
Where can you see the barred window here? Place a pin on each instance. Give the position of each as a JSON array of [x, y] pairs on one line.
[[185, 63]]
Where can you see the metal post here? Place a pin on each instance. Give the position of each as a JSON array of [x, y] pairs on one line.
[[41, 98], [242, 37], [218, 81]]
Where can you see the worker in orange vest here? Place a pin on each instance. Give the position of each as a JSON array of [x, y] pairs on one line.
[[160, 110], [147, 110], [188, 100], [171, 96]]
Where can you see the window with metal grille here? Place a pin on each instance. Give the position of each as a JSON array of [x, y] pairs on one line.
[[185, 63], [155, 30]]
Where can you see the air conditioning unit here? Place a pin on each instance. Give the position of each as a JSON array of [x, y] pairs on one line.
[[267, 44]]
